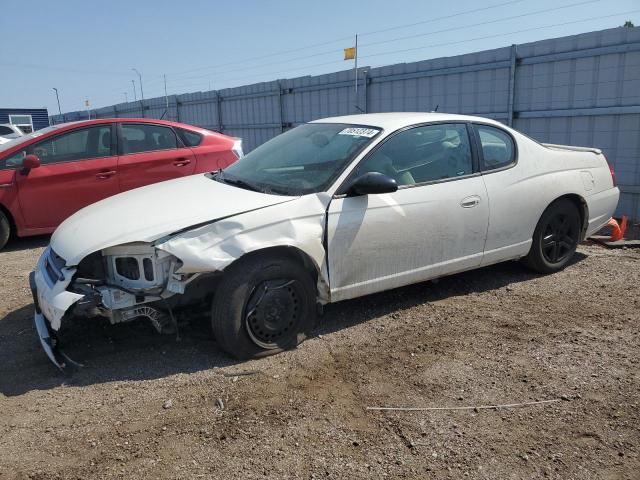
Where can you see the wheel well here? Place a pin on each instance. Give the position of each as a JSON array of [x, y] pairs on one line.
[[204, 287], [583, 210], [12, 222], [291, 252]]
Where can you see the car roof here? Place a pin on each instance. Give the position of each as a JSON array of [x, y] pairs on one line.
[[122, 119], [62, 127], [396, 120]]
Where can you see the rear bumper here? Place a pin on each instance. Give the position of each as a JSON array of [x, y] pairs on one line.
[[601, 205]]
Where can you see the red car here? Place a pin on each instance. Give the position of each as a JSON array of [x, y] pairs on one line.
[[50, 174]]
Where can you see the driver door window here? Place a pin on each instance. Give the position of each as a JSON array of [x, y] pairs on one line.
[[84, 144], [423, 154], [94, 142]]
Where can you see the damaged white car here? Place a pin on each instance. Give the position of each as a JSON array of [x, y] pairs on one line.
[[333, 209]]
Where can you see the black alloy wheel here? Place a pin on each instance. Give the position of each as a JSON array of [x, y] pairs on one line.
[[560, 238], [555, 238]]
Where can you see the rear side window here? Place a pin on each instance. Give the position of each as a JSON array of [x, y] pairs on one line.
[[498, 149], [5, 130], [147, 138], [189, 138]]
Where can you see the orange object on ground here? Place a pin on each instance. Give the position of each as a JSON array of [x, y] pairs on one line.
[[617, 230]]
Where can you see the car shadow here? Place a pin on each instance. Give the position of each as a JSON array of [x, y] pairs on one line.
[[134, 351], [16, 244], [341, 315]]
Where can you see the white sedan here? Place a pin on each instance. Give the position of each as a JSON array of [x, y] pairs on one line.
[[333, 209], [9, 132]]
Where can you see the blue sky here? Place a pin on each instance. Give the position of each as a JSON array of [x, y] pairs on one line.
[[87, 49]]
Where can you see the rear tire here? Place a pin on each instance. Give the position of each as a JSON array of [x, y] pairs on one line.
[[555, 238], [264, 305], [5, 229]]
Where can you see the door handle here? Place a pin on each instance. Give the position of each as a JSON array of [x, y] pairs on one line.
[[106, 174], [470, 202], [181, 162]]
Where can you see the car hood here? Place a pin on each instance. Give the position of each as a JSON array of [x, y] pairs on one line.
[[152, 212]]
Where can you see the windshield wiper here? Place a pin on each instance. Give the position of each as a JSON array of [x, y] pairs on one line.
[[221, 177], [241, 183]]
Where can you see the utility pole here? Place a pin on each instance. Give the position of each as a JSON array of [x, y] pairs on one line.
[[126, 100], [135, 97], [139, 78], [58, 98], [166, 99], [356, 68]]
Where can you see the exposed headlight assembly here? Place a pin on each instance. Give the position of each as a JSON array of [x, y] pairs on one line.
[[139, 273], [138, 266]]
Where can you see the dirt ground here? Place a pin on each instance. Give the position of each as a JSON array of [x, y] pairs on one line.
[[147, 406]]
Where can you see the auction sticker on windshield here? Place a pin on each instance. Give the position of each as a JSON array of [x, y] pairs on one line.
[[359, 132]]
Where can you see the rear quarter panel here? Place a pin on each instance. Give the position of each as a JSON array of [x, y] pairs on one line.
[[518, 196], [213, 153]]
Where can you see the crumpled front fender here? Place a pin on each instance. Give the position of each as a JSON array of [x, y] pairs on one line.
[[299, 224]]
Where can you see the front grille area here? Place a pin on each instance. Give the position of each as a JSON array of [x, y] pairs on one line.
[[53, 265]]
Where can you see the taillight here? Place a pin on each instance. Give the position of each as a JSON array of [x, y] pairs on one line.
[[237, 148], [613, 174]]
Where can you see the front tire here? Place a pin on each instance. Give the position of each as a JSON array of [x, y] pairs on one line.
[[5, 229], [264, 305], [555, 238]]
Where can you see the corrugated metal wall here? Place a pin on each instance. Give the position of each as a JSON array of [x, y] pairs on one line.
[[577, 90], [39, 116]]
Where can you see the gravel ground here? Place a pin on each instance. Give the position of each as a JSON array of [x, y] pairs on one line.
[[147, 406]]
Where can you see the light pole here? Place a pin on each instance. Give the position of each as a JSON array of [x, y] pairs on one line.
[[139, 78], [166, 99], [126, 99], [58, 98], [135, 97]]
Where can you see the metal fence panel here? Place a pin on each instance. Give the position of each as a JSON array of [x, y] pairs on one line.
[[577, 90]]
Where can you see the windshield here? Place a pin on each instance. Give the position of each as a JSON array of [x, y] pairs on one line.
[[25, 138], [306, 159]]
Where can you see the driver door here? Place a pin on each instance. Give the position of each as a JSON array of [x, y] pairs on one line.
[[77, 168], [435, 224]]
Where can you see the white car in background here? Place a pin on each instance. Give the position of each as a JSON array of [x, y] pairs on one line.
[[9, 131], [331, 210]]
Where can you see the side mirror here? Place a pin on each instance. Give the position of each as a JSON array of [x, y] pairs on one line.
[[29, 162], [372, 183]]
